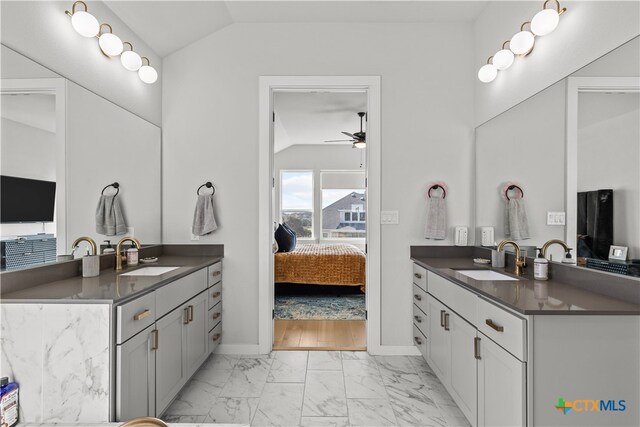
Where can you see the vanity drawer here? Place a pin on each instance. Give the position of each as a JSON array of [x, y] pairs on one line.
[[420, 298], [506, 329], [174, 294], [215, 294], [457, 298], [134, 316], [215, 336], [420, 276], [420, 341], [215, 315], [215, 273], [420, 319]]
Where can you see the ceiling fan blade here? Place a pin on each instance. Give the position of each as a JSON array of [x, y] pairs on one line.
[[341, 140], [350, 135]]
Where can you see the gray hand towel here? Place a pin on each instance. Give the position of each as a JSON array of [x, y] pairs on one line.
[[516, 225], [436, 224], [109, 218], [204, 221]]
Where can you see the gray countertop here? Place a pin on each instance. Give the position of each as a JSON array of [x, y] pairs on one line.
[[110, 287], [528, 296]]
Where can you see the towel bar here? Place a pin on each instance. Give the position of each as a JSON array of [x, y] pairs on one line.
[[114, 185]]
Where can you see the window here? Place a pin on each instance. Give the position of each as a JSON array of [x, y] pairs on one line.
[[343, 205], [296, 201]]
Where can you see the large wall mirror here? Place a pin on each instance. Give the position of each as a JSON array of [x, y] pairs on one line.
[[61, 145], [572, 152]]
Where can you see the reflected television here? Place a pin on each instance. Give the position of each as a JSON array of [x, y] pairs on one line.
[[26, 200]]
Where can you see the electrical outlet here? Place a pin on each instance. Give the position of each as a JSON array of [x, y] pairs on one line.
[[389, 217], [556, 218]]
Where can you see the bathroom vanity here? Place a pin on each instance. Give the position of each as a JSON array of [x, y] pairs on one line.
[[507, 348], [116, 346]]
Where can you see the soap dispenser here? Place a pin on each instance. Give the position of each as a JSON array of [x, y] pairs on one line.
[[567, 258], [109, 249], [540, 267]]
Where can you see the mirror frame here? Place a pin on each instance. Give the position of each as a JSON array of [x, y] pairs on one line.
[[56, 86], [575, 86]]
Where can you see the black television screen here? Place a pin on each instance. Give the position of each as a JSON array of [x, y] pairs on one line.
[[26, 200]]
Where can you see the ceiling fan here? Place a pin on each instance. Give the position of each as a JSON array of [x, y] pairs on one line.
[[358, 138]]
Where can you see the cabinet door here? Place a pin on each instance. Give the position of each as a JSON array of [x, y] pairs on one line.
[[197, 333], [171, 365], [439, 342], [501, 386], [464, 374], [135, 376]]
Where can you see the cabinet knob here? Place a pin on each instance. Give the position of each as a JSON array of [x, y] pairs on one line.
[[216, 337], [216, 273], [216, 315], [493, 326], [417, 297], [216, 294], [418, 319], [417, 340], [142, 315], [418, 275]]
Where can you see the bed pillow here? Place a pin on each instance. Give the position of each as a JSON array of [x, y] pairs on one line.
[[295, 235], [285, 239]]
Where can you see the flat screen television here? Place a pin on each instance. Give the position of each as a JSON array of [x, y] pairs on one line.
[[26, 200]]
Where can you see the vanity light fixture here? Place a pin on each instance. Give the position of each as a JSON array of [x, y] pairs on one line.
[[82, 21], [522, 43], [130, 60], [110, 44], [147, 73]]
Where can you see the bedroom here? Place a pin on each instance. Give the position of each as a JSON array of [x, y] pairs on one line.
[[319, 197]]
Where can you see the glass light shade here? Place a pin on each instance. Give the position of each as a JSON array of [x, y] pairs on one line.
[[131, 60], [148, 74], [487, 73], [545, 22], [522, 43], [360, 144], [110, 44], [503, 59], [85, 24]]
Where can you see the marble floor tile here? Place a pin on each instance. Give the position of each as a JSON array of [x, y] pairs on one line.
[[221, 361], [324, 422], [397, 369], [439, 393], [181, 419], [324, 395], [362, 379], [413, 406], [325, 361], [247, 378], [239, 410], [456, 422], [355, 355], [450, 411], [200, 392], [370, 412], [288, 367], [280, 405]]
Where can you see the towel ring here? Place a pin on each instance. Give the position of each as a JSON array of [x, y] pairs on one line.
[[512, 187], [435, 187], [114, 185], [207, 184]]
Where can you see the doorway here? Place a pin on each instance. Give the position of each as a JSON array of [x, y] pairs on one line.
[[356, 218]]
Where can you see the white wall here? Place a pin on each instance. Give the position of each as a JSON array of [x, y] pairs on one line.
[[210, 125], [588, 30], [40, 30], [608, 157]]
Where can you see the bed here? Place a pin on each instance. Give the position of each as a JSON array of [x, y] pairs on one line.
[[336, 264]]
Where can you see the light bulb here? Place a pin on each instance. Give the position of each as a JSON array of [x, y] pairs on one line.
[[503, 59], [131, 60], [360, 144], [487, 73], [148, 74], [110, 44], [545, 22], [522, 43], [85, 24]]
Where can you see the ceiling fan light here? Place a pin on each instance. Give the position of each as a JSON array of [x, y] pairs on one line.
[[503, 59], [545, 22], [487, 73], [360, 144], [522, 43], [85, 24]]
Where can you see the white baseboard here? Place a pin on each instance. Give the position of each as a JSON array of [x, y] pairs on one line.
[[394, 350], [238, 349]]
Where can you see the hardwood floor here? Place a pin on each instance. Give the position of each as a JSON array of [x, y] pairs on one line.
[[320, 335]]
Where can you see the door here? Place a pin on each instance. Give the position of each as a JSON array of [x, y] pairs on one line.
[[464, 366], [136, 376], [439, 344], [501, 386], [171, 366], [197, 332]]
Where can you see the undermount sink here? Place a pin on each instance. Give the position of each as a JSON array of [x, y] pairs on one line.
[[485, 275], [149, 271]]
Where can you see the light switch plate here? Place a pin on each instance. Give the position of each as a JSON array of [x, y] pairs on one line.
[[556, 218], [389, 217]]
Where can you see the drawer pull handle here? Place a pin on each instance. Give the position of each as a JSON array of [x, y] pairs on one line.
[[442, 318], [142, 315], [418, 275], [190, 313], [476, 347], [216, 273], [216, 315], [446, 321], [417, 340], [186, 315], [156, 340], [216, 337], [418, 319], [215, 294], [492, 325], [417, 297]]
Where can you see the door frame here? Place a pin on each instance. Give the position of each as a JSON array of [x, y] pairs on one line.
[[267, 85]]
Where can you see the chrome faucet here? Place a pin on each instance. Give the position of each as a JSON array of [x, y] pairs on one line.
[[567, 249], [94, 247], [520, 264], [121, 256]]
